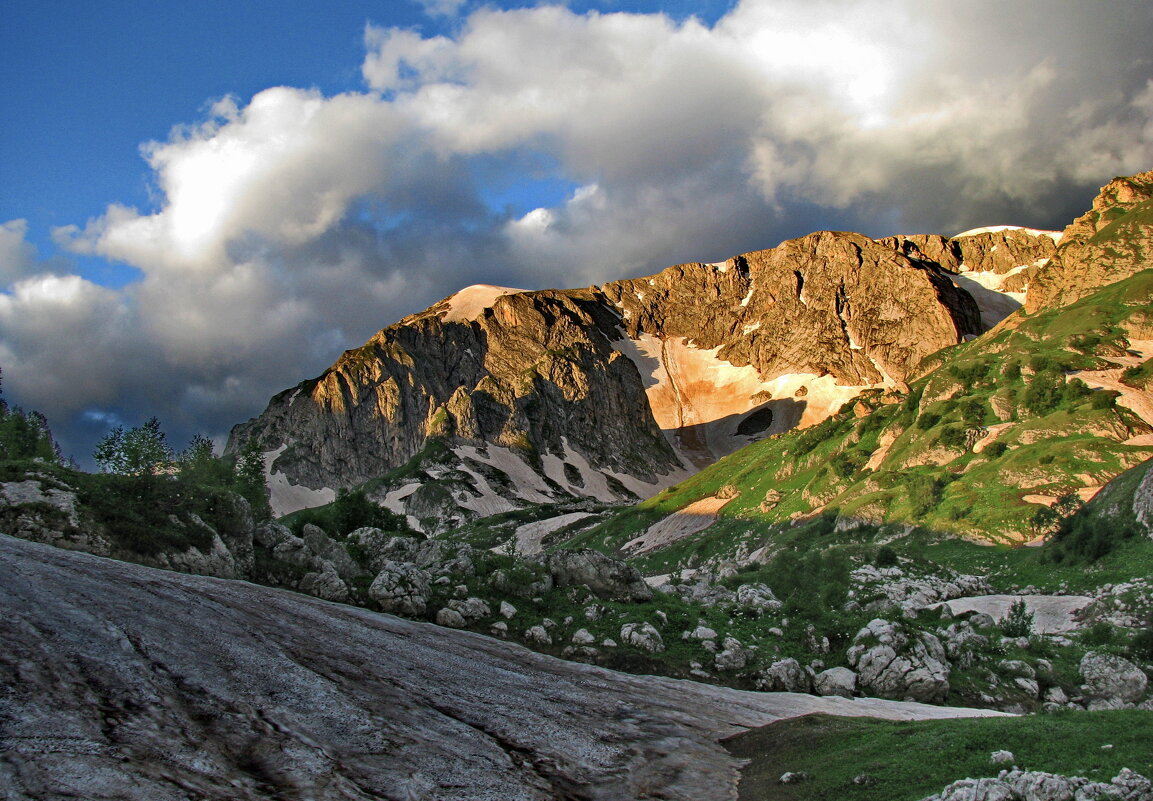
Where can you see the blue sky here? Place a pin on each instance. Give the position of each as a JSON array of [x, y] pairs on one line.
[[202, 205]]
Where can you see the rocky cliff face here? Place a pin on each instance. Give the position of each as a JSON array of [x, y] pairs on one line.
[[991, 264], [614, 391], [1110, 242]]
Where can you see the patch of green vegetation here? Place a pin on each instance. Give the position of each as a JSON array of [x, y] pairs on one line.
[[909, 760], [351, 510], [1139, 376], [148, 515]]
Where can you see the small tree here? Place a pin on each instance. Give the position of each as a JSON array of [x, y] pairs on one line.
[[199, 464], [1019, 620], [251, 481], [140, 451]]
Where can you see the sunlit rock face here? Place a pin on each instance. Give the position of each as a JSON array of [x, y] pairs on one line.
[[617, 391], [992, 264], [1108, 243]]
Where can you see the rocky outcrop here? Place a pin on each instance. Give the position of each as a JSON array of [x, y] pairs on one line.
[[1035, 785], [1111, 681], [605, 577], [599, 386], [1110, 242], [991, 264], [893, 662]]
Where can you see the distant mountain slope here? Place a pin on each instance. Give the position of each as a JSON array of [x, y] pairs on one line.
[[614, 392], [991, 432]]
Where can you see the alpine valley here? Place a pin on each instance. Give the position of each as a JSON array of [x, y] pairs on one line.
[[845, 518]]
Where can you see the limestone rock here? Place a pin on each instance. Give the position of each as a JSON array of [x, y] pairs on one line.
[[894, 663], [470, 609], [642, 636], [1112, 678], [835, 681], [326, 584], [537, 634], [758, 599], [733, 656], [583, 637], [785, 675], [607, 578], [401, 587], [1106, 244], [450, 618]]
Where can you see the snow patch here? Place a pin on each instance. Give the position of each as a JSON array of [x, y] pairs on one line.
[[530, 486], [720, 266], [287, 497], [695, 517], [748, 296], [470, 302], [595, 479], [699, 400], [985, 288], [748, 329], [487, 501], [996, 229], [530, 537]]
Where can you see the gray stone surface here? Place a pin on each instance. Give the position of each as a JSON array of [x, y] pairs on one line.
[[1112, 678], [130, 683], [892, 662]]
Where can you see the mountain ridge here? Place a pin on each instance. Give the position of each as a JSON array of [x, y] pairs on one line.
[[717, 355]]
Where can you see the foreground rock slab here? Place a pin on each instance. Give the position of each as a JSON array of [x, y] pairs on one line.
[[120, 681]]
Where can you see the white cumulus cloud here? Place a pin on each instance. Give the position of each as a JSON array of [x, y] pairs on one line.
[[292, 225]]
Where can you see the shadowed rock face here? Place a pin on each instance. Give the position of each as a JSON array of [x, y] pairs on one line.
[[125, 682], [556, 372]]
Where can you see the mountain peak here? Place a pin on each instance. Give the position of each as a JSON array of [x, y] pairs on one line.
[[471, 302]]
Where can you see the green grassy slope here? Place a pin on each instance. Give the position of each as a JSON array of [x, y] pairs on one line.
[[910, 760], [987, 424]]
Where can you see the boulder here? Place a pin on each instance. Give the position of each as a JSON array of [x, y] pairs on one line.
[[643, 636], [893, 663], [538, 635], [325, 583], [1002, 757], [757, 599], [470, 609], [583, 637], [607, 578], [733, 655], [976, 790], [401, 587], [785, 675], [1111, 678], [835, 681], [450, 618]]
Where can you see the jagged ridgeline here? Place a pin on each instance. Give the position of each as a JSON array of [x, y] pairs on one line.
[[495, 399]]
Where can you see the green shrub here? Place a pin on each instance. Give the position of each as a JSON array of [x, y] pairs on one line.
[[928, 420], [995, 449], [886, 557], [1018, 622]]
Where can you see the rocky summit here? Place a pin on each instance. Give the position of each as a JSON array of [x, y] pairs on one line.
[[617, 391]]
